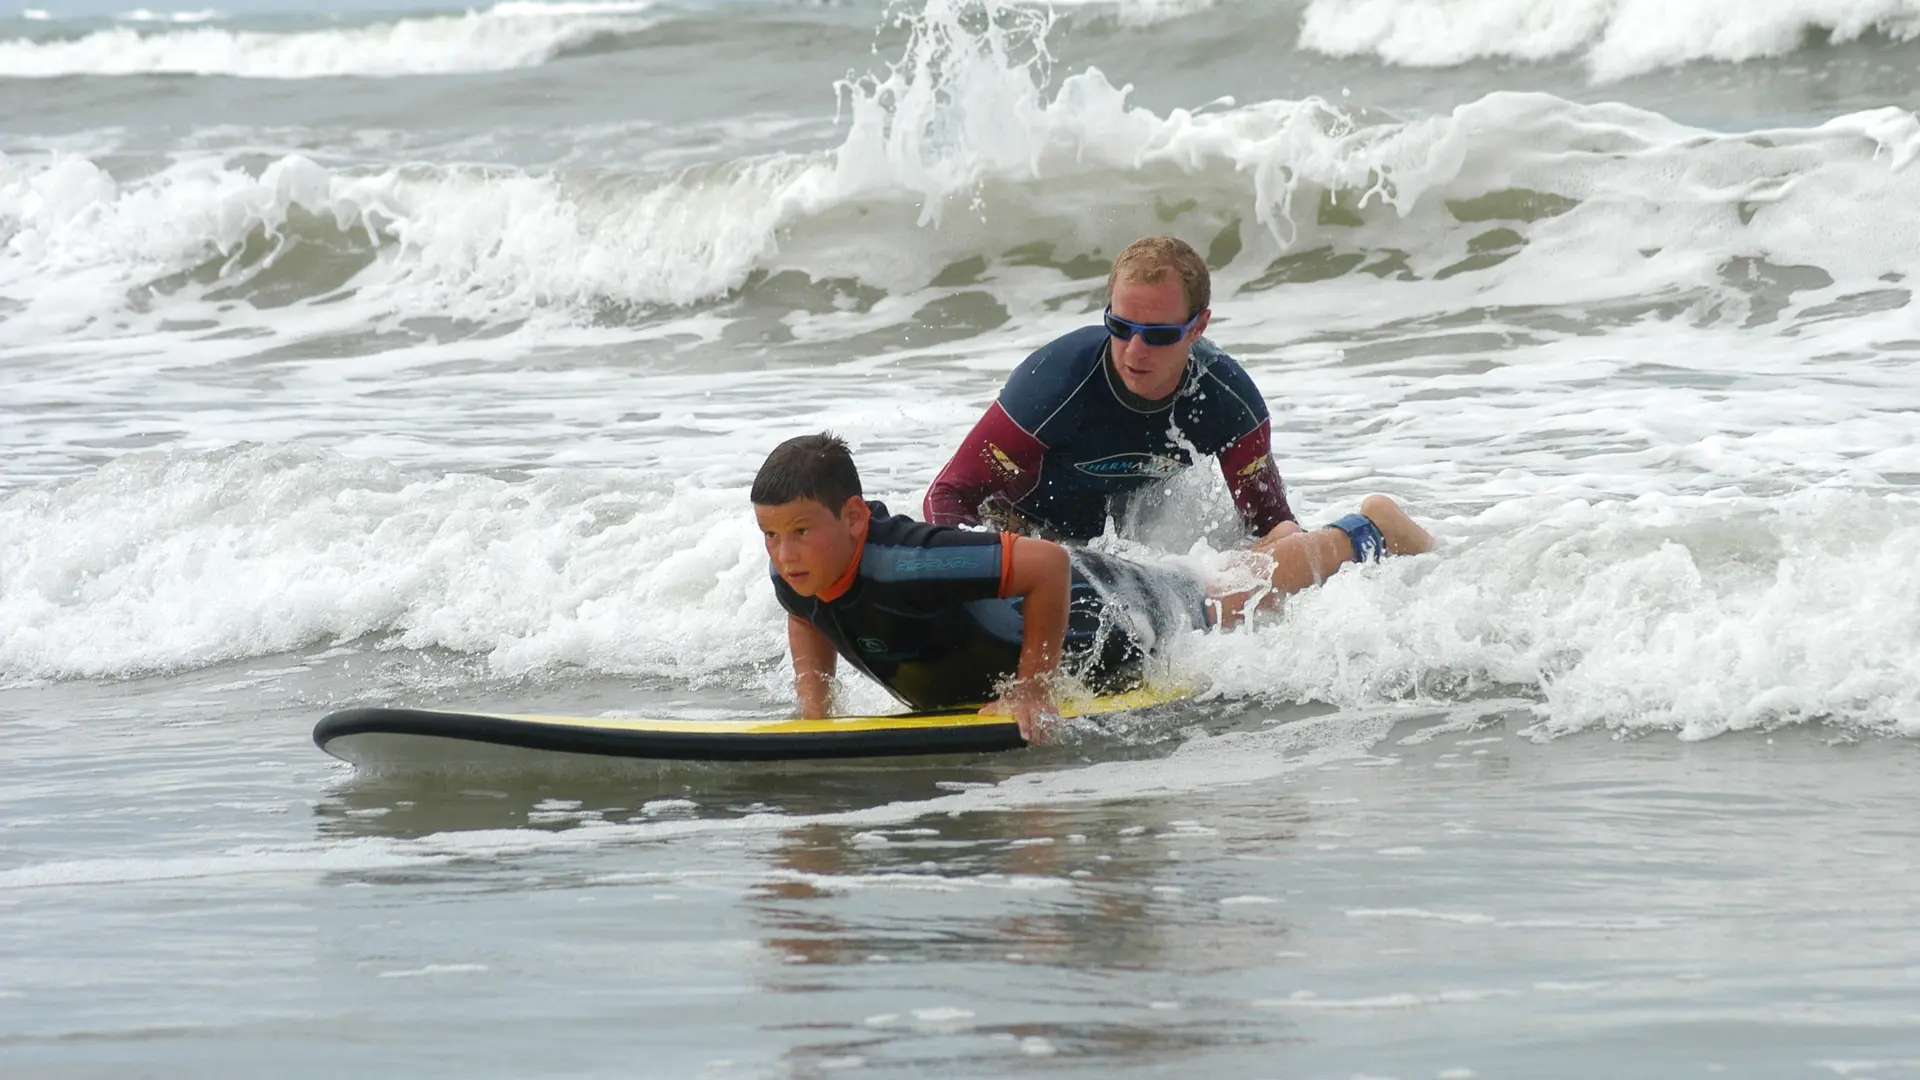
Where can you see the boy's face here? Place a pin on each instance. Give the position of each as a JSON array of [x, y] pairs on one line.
[[811, 547]]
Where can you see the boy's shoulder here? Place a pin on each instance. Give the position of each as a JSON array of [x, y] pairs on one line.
[[900, 548]]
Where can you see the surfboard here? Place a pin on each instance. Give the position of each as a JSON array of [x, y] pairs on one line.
[[378, 737]]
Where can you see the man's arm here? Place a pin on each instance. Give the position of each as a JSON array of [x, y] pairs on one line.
[[1039, 572], [1255, 481], [997, 456], [813, 663]]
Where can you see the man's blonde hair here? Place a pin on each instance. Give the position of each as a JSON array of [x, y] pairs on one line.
[[1149, 260]]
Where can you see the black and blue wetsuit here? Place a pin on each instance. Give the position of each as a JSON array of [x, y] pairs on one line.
[[924, 613]]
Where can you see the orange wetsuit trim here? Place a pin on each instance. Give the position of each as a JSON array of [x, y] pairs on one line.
[[839, 588]]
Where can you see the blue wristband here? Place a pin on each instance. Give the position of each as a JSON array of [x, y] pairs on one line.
[[1364, 535]]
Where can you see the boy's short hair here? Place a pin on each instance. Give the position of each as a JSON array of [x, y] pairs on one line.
[[817, 467], [1149, 260]]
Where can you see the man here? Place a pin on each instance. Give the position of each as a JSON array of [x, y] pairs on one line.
[[944, 617], [1094, 417]]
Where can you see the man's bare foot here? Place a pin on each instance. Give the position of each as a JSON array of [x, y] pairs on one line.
[[1403, 535]]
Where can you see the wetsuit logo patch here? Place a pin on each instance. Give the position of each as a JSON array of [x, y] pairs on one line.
[[933, 564], [1001, 461], [1254, 466], [1155, 466], [877, 650]]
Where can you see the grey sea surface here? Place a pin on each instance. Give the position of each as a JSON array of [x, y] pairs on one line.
[[1283, 893]]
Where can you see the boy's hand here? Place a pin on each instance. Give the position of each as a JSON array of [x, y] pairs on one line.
[[1028, 707], [1040, 572]]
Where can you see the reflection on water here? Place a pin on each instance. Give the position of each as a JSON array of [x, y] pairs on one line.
[[1091, 905]]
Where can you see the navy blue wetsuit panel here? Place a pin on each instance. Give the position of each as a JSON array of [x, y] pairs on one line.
[[1105, 443]]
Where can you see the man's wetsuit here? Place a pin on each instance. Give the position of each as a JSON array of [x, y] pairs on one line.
[[922, 611], [1067, 442]]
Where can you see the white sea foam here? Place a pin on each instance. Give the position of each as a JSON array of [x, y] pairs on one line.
[[528, 576], [434, 969], [1306, 1000], [1698, 616], [1634, 203], [1683, 614], [1136, 12], [505, 36], [1615, 38], [334, 856], [958, 150], [921, 882], [144, 15]]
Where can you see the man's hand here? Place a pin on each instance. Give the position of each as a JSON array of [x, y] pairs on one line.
[[999, 513], [1029, 706]]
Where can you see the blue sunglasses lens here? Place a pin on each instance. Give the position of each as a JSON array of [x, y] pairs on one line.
[[1157, 336]]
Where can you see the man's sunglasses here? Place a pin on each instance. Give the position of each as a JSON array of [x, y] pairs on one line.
[[1158, 335]]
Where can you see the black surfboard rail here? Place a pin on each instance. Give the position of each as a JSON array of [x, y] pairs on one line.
[[636, 740]]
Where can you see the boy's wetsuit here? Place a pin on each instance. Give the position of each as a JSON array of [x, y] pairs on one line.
[[922, 611], [1067, 444]]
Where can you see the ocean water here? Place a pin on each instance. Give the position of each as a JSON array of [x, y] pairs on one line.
[[375, 353]]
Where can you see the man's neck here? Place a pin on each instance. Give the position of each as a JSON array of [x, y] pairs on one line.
[[1132, 400]]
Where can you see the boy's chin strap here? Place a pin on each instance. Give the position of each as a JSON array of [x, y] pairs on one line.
[[1364, 535]]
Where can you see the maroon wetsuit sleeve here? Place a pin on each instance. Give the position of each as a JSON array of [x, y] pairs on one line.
[[1255, 481], [997, 457]]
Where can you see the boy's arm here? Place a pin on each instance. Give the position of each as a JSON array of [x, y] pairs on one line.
[[813, 663], [1039, 572]]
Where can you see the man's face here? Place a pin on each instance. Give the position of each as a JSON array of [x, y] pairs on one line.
[[1153, 372], [809, 546]]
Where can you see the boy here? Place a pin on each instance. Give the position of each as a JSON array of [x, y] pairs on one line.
[[942, 616]]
